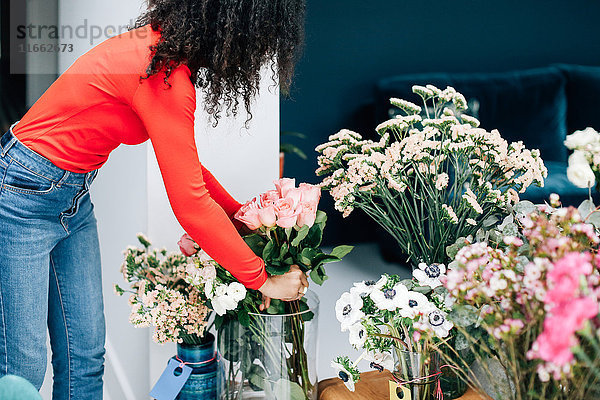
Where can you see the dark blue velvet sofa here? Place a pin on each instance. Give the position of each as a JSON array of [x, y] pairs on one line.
[[538, 106]]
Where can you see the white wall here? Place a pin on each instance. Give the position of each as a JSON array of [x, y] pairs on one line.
[[129, 197]]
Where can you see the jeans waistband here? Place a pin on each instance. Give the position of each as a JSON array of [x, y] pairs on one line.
[[11, 147]]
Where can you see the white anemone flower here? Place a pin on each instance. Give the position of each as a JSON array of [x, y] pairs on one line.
[[383, 359], [390, 299], [579, 171], [348, 310], [365, 288], [222, 302], [436, 320], [346, 376], [416, 303], [429, 275], [358, 335]]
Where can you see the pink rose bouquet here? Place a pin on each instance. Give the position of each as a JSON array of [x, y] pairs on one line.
[[288, 228], [537, 297]]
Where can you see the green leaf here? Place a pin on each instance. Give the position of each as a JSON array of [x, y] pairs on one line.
[[316, 277], [243, 317], [256, 243], [277, 269], [302, 233], [268, 252], [321, 218], [284, 389], [288, 232], [283, 251], [257, 377], [341, 251]]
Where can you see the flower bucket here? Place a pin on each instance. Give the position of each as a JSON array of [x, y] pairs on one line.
[[414, 370], [202, 383], [274, 357]]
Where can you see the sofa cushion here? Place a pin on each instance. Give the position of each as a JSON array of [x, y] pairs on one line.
[[583, 96], [528, 105]]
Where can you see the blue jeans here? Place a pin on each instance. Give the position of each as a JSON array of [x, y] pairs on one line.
[[50, 276]]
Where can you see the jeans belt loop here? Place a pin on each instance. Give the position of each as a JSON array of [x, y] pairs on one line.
[[5, 142]]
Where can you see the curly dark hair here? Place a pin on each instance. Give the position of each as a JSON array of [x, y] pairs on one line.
[[225, 43]]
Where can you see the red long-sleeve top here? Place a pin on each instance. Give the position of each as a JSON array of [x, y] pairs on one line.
[[101, 102]]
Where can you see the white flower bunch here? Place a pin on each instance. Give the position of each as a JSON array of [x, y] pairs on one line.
[[389, 314], [431, 175], [222, 296], [584, 164]]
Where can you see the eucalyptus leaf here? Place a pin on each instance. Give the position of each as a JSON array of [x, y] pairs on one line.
[[284, 389], [257, 377], [594, 219], [586, 208], [525, 207], [463, 315], [422, 289]]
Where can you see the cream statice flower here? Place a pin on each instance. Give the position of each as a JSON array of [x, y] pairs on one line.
[[579, 171], [348, 310], [442, 181], [429, 275], [390, 299], [365, 288], [450, 213], [471, 199]]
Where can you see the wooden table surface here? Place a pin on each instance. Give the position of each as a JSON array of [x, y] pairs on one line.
[[372, 386]]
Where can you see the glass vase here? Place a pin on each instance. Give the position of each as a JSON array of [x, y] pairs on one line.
[[202, 383], [274, 357], [414, 370]]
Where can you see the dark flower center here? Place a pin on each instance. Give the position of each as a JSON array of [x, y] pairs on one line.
[[389, 294], [433, 271], [344, 376], [436, 319], [347, 310], [370, 283], [412, 303], [361, 333]]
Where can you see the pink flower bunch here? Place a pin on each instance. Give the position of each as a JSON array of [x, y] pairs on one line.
[[570, 302], [554, 289], [286, 206]]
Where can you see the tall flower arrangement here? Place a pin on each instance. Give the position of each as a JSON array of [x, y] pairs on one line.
[[584, 164], [434, 175], [537, 299]]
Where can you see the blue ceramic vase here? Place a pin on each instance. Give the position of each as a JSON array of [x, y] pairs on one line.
[[202, 383]]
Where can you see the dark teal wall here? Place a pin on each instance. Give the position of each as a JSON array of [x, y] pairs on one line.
[[351, 44]]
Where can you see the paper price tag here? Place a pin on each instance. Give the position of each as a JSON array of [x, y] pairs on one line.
[[171, 381], [399, 392]]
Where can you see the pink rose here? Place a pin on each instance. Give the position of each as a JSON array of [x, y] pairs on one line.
[[286, 213], [248, 214], [267, 216], [269, 198], [308, 214], [187, 245], [295, 194], [310, 193], [284, 184]]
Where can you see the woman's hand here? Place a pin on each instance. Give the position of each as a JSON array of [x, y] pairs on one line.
[[288, 287]]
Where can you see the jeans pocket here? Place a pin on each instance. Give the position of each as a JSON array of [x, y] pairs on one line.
[[23, 180]]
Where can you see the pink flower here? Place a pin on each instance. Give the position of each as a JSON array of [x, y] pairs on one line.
[[295, 194], [286, 213], [564, 277], [187, 245], [310, 193], [308, 214], [267, 216], [269, 198], [248, 214], [283, 185]]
